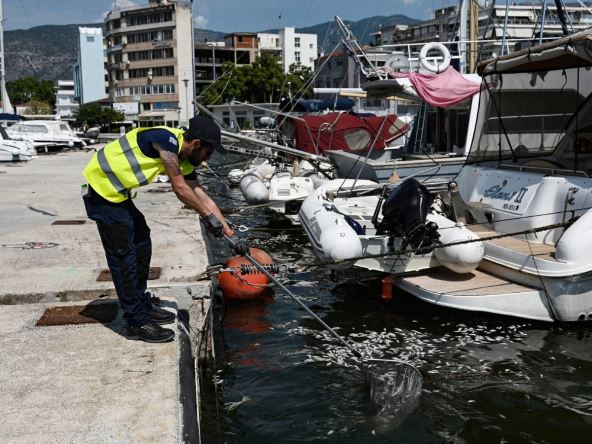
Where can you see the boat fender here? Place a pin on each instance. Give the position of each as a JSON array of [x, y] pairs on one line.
[[434, 67], [245, 286], [386, 293], [317, 180], [253, 188], [462, 258]]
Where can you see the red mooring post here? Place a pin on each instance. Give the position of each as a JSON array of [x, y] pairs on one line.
[[386, 293]]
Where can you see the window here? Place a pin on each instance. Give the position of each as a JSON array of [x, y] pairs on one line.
[[90, 38], [157, 17], [297, 42], [357, 139], [310, 46], [297, 56], [34, 129], [152, 89]]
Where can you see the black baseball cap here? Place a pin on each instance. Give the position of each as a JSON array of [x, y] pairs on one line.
[[206, 129]]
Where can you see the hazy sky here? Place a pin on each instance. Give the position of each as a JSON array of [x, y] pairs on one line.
[[221, 15]]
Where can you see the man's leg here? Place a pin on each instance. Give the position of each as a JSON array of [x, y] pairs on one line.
[[116, 228], [143, 246], [117, 231]]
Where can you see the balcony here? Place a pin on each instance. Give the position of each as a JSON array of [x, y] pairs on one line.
[[115, 48]]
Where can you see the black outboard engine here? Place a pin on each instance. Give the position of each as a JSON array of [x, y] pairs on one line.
[[404, 214]]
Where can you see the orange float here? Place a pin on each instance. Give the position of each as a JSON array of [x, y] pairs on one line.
[[248, 286]]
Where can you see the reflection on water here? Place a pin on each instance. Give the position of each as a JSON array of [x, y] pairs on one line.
[[486, 378]]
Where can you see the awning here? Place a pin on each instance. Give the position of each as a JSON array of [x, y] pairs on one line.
[[568, 52], [151, 115]]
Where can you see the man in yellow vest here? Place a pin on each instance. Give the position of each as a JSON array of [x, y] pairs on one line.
[[133, 160]]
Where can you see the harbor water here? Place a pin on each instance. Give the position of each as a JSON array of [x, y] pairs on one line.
[[280, 378]]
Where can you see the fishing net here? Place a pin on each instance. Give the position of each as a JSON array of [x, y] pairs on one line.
[[394, 388]]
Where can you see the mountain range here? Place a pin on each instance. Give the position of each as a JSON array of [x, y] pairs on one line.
[[48, 52]]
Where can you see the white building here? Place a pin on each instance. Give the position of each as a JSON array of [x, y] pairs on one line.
[[89, 70], [290, 46], [66, 102], [150, 61]]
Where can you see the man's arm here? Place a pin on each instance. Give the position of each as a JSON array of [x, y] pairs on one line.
[[203, 206], [212, 206], [182, 190]]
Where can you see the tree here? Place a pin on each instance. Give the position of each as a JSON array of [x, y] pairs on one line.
[[262, 81], [39, 108], [300, 78], [22, 91], [97, 114]]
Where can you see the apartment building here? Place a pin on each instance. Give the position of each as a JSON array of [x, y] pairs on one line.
[[150, 61], [89, 69], [523, 27], [239, 48], [242, 48], [292, 47]]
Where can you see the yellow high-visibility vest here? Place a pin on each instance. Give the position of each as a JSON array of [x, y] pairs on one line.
[[120, 166]]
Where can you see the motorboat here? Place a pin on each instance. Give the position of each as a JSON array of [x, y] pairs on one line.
[[525, 195], [441, 130], [46, 134], [440, 103], [527, 187], [15, 150], [8, 154]]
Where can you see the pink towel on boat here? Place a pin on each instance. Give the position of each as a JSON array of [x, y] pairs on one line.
[[442, 90]]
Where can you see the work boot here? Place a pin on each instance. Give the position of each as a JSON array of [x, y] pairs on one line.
[[161, 316], [150, 332]]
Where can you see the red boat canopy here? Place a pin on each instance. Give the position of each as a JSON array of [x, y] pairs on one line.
[[342, 131]]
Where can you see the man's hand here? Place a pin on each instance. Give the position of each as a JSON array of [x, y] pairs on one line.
[[214, 226], [228, 232], [240, 247]]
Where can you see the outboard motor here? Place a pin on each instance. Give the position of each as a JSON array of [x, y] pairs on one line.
[[404, 214]]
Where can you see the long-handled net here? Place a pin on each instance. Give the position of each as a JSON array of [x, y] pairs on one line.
[[394, 386]]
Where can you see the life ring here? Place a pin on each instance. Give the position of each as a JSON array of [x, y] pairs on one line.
[[434, 67]]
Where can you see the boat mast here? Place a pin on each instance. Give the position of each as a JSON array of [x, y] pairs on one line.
[[473, 35], [462, 47], [505, 31], [6, 107], [562, 16]]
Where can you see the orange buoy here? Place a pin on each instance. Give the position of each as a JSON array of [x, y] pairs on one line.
[[386, 293], [244, 286]]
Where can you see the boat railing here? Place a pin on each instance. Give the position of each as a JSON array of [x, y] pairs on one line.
[[459, 49]]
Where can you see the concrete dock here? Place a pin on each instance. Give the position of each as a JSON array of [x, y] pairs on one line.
[[86, 382]]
